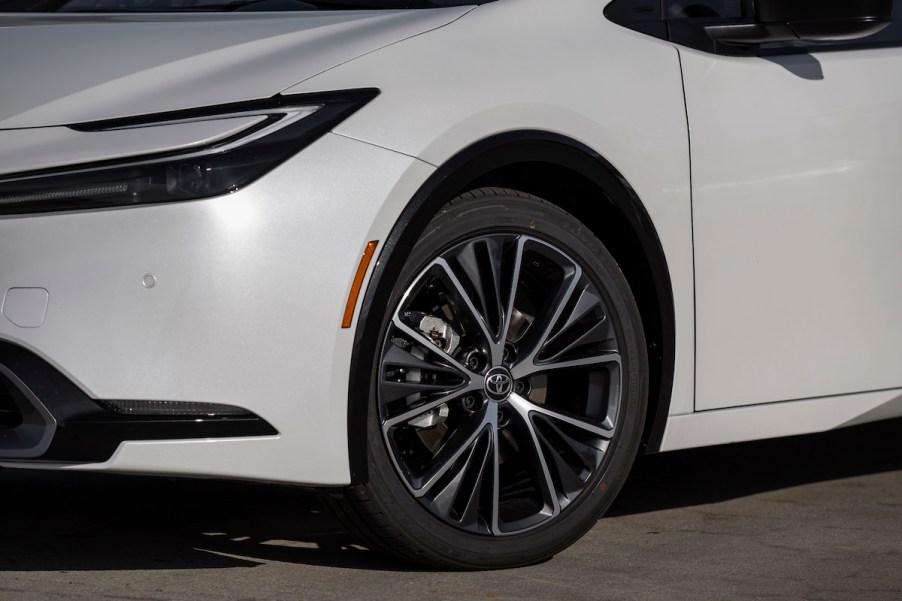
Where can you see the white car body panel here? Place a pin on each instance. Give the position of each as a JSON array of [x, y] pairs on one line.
[[740, 424], [631, 113], [142, 64], [228, 320], [796, 179], [251, 288]]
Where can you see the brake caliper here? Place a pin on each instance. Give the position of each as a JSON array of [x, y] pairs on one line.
[[439, 332]]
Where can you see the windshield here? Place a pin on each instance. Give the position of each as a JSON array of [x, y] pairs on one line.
[[145, 6]]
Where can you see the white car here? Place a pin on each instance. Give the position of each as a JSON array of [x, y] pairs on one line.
[[452, 263]]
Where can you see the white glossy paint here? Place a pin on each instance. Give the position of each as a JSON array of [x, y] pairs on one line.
[[796, 179], [507, 78], [771, 420], [793, 182], [247, 307], [135, 64], [25, 307]]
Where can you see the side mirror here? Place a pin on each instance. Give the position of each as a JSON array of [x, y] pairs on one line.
[[808, 20]]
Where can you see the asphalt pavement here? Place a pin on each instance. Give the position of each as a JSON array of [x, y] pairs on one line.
[[814, 517]]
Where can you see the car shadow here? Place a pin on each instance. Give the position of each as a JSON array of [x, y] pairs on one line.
[[64, 521], [714, 474]]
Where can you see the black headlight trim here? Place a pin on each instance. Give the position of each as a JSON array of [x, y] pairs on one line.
[[215, 169]]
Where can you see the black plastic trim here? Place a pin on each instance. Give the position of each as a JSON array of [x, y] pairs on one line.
[[94, 437], [451, 179], [88, 433], [31, 436], [10, 413], [751, 34], [643, 16], [780, 28], [358, 97]]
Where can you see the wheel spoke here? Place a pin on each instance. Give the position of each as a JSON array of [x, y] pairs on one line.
[[421, 409], [545, 481], [392, 391], [523, 369], [490, 341], [586, 302], [524, 406], [547, 322], [587, 328], [425, 341], [495, 519], [398, 357], [466, 486], [480, 261], [583, 458], [569, 481], [514, 286], [469, 516], [450, 452], [404, 374], [588, 455]]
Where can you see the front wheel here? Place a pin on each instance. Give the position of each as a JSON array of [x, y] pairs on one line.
[[508, 393]]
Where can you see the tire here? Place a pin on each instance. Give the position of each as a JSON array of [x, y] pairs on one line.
[[499, 432]]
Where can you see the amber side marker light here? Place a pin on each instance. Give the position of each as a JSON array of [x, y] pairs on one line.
[[358, 283]]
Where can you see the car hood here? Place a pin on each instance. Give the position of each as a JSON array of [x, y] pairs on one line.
[[65, 69]]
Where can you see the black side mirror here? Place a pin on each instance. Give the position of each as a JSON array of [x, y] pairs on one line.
[[808, 20]]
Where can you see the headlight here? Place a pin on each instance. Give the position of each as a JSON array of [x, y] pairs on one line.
[[286, 124]]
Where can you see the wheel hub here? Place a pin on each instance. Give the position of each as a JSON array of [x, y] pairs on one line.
[[499, 384]]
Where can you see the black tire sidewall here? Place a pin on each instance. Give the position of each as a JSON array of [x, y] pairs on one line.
[[495, 211]]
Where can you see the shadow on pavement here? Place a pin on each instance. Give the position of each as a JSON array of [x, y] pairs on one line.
[[63, 521], [80, 521], [713, 474]]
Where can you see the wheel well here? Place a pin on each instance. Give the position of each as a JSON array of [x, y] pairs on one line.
[[592, 206], [577, 179]]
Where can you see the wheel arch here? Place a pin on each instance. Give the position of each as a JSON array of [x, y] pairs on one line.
[[566, 173]]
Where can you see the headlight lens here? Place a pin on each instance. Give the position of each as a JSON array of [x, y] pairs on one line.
[[287, 125]]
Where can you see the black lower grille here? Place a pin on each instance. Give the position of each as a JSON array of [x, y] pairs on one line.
[[10, 415]]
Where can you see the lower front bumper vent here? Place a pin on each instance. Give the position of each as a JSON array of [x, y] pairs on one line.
[[174, 409], [10, 414], [26, 427]]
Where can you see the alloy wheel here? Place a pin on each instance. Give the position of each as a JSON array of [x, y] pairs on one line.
[[500, 384]]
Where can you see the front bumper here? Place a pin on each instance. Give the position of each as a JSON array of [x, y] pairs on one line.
[[48, 418], [244, 310]]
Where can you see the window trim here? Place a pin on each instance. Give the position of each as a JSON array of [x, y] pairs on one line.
[[648, 17]]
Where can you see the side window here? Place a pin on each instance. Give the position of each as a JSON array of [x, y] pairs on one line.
[[683, 22], [889, 36], [643, 16], [686, 21]]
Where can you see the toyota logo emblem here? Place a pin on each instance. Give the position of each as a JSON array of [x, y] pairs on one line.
[[498, 383]]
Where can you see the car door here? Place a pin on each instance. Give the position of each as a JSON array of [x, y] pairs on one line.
[[796, 159]]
